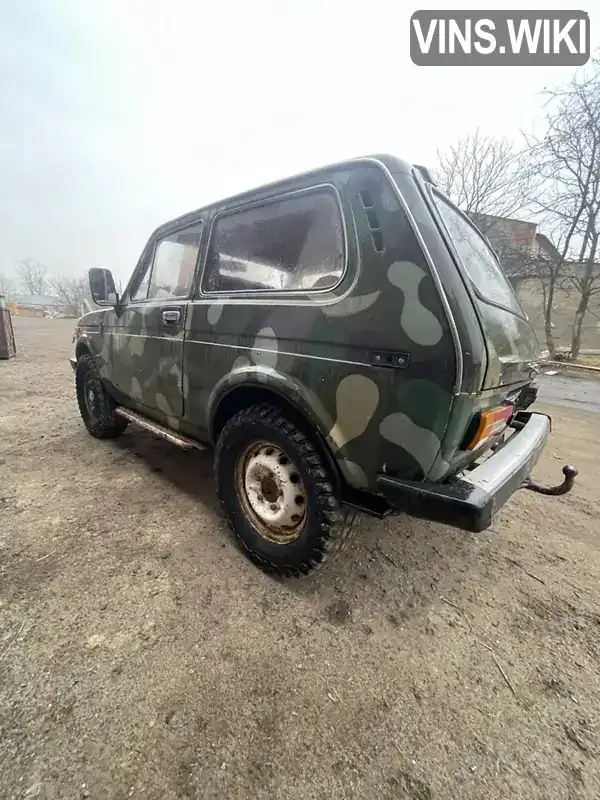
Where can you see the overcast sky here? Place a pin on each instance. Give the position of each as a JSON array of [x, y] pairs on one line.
[[117, 115]]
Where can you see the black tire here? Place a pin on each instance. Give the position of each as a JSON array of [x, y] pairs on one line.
[[98, 409], [322, 530]]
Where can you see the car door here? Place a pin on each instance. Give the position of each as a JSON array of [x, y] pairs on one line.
[[147, 345]]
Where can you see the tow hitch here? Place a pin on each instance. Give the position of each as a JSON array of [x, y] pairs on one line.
[[570, 474]]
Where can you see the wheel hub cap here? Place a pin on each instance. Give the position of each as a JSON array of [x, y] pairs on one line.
[[273, 492]]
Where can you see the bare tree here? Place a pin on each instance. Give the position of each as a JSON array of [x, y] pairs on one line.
[[491, 180], [7, 285], [70, 291], [484, 175], [567, 158], [32, 276]]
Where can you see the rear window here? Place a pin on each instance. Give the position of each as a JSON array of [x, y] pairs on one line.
[[478, 259]]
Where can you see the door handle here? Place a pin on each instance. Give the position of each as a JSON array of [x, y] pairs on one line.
[[171, 317]]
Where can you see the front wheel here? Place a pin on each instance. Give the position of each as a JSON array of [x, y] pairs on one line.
[[277, 492], [96, 406]]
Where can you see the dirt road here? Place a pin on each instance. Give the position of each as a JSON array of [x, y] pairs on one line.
[[573, 391], [141, 655]]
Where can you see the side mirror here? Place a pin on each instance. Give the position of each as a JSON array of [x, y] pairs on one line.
[[102, 287]]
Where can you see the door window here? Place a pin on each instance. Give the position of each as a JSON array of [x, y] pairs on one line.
[[171, 273], [139, 289]]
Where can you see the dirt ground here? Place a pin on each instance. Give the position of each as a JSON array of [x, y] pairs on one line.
[[141, 655]]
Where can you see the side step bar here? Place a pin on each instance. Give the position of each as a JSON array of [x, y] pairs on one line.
[[159, 430]]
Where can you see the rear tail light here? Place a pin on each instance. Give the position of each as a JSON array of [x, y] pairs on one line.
[[491, 423]]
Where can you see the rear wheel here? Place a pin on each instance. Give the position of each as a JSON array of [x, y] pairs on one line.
[[96, 406], [277, 492]]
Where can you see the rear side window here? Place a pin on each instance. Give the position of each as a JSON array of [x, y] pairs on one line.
[[295, 243], [478, 259]]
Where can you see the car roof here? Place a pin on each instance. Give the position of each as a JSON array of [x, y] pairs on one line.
[[388, 162]]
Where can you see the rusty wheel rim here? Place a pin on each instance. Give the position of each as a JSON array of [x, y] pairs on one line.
[[90, 397], [272, 492]]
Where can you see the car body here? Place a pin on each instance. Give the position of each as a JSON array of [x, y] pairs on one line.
[[362, 304]]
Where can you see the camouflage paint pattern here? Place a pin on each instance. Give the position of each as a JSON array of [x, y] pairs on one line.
[[509, 341], [314, 349], [318, 349], [137, 359]]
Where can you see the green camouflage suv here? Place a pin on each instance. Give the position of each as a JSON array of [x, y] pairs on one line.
[[344, 339]]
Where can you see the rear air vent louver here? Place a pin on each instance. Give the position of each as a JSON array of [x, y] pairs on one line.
[[373, 220], [377, 238]]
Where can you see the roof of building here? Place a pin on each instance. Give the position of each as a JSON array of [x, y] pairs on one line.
[[34, 299]]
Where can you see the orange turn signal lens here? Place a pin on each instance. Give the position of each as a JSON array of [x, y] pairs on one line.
[[490, 423]]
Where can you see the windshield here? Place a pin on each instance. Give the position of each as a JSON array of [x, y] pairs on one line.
[[478, 259]]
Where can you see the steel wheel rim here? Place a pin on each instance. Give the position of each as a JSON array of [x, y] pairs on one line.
[[90, 399], [272, 493]]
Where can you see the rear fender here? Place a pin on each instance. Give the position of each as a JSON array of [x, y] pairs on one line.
[[266, 384], [286, 386]]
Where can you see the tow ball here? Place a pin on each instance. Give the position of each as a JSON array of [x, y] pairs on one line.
[[570, 474]]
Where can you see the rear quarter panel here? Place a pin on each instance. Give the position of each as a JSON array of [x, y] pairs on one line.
[[317, 349]]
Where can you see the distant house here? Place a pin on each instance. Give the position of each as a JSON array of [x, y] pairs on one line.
[[33, 305], [521, 248], [523, 252], [504, 230], [34, 300], [545, 249]]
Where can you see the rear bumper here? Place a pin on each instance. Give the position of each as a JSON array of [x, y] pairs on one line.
[[470, 502]]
